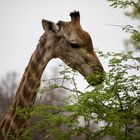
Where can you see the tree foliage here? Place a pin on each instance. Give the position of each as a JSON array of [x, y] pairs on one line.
[[113, 106], [133, 11]]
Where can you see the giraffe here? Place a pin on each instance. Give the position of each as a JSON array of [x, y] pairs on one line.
[[64, 40]]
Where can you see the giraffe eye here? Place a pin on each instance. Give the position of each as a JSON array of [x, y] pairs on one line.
[[74, 45]]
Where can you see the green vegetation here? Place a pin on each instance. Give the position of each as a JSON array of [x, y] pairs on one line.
[[115, 103]]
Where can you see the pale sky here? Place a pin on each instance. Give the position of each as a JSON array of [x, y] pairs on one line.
[[20, 27]]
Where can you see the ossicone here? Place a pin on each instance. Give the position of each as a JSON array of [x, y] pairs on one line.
[[75, 16]]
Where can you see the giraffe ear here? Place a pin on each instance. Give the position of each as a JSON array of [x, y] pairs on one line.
[[49, 25]]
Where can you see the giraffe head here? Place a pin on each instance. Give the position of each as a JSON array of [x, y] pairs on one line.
[[74, 46]]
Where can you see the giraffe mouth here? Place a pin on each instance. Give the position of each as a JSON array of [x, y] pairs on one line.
[[96, 77]]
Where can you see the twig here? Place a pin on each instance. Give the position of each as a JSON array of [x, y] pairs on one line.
[[101, 131], [72, 90], [126, 28]]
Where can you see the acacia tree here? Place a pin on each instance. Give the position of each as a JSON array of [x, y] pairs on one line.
[[115, 103]]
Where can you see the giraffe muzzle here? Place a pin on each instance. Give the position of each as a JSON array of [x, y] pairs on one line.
[[96, 77]]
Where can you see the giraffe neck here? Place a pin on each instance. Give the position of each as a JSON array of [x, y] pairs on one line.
[[13, 122]]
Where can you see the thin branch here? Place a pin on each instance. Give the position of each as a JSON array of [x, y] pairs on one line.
[[120, 102], [72, 90], [101, 131], [60, 86], [52, 79], [127, 28]]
